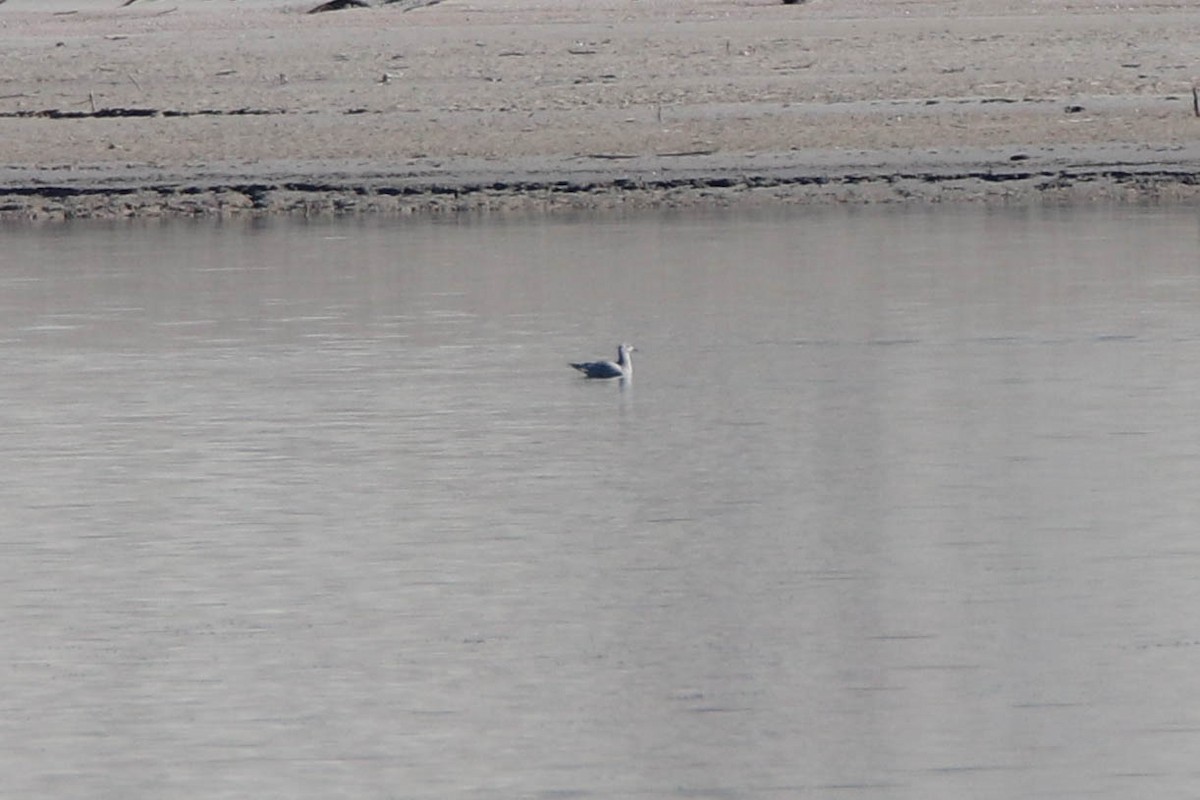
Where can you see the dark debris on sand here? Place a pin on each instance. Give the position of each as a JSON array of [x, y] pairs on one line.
[[338, 5]]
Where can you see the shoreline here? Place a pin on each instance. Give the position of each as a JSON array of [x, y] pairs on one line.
[[235, 107], [1010, 176]]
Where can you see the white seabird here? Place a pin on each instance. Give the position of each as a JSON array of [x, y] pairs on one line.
[[621, 368]]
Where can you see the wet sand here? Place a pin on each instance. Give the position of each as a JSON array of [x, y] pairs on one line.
[[253, 106]]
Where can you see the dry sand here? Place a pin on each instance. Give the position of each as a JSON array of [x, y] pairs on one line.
[[225, 106]]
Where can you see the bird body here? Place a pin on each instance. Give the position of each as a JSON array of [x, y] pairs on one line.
[[621, 368]]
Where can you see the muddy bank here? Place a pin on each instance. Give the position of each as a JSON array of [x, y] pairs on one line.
[[1011, 176]]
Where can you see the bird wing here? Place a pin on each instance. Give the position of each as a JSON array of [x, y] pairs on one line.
[[599, 369]]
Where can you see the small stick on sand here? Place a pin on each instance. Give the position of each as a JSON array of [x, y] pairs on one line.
[[413, 5], [1195, 101]]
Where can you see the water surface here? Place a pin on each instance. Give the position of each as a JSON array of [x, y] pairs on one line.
[[901, 504]]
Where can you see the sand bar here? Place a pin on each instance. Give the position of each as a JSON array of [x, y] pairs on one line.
[[255, 106]]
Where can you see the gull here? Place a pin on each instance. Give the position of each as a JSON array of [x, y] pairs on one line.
[[621, 368]]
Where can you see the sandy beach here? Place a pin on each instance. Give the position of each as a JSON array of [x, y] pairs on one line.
[[196, 107]]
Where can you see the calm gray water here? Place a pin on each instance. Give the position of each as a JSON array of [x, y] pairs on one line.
[[901, 504]]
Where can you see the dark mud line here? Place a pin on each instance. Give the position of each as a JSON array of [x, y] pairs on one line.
[[410, 194]]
